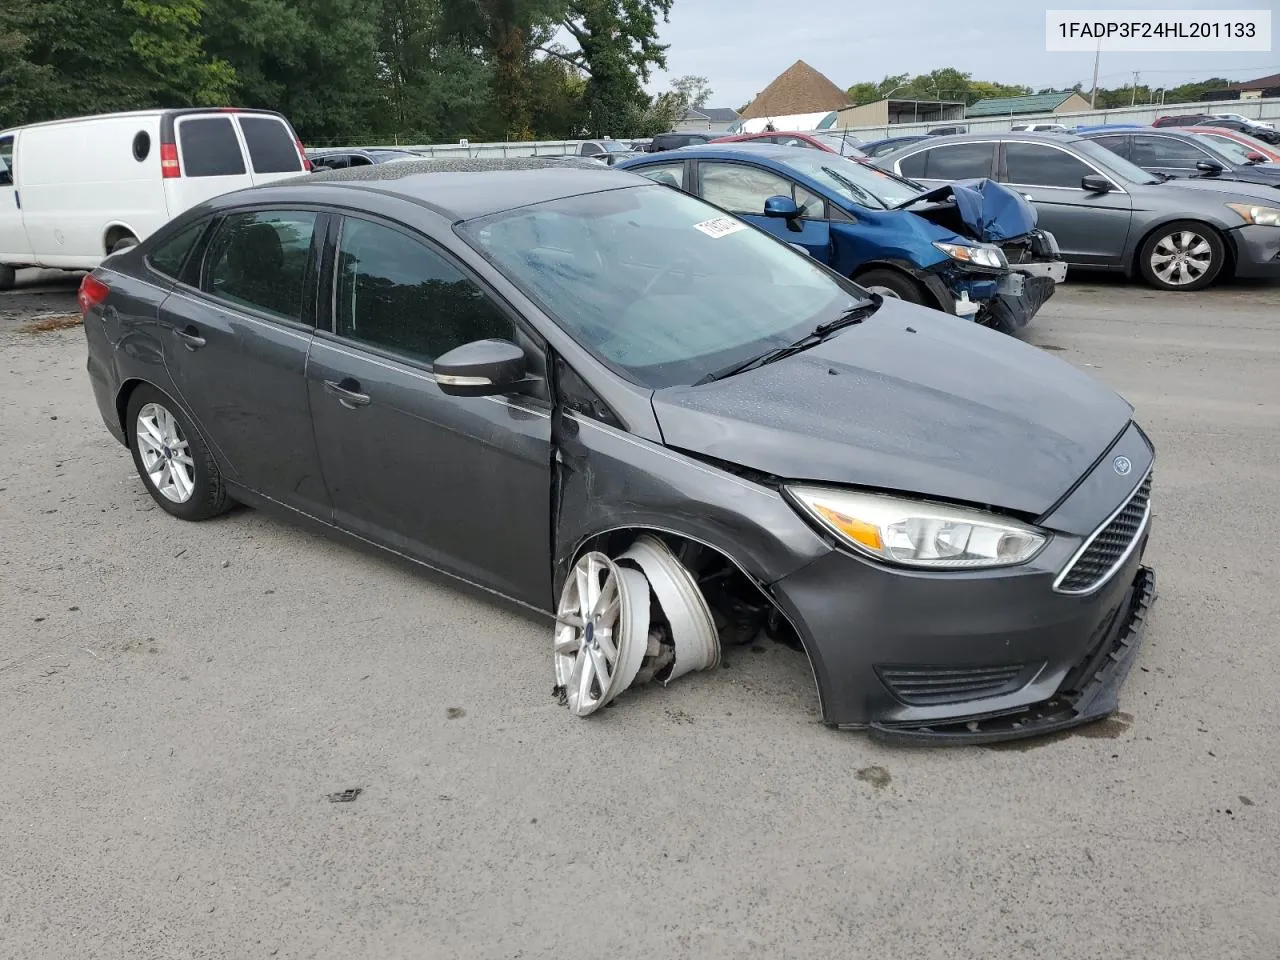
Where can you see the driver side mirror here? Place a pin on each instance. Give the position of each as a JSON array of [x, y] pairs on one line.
[[1209, 167], [1095, 184], [482, 368], [1254, 157], [784, 208]]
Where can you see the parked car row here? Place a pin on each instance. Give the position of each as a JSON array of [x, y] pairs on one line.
[[616, 403]]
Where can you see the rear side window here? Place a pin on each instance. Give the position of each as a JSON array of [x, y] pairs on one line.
[[958, 161], [667, 174], [209, 147], [1035, 165], [169, 256], [271, 145], [261, 260], [397, 293]]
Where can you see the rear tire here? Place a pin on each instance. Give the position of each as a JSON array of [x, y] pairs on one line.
[[172, 457], [890, 283], [1184, 255], [8, 277], [124, 243]]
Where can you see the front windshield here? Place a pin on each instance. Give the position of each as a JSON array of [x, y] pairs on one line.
[[613, 146], [1235, 152], [662, 287], [1113, 163], [860, 183]]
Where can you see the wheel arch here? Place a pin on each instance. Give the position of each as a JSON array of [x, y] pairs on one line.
[[929, 285], [115, 231]]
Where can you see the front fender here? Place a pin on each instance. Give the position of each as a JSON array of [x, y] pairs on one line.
[[609, 480], [932, 283]]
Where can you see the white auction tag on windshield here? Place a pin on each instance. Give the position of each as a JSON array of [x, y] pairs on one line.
[[719, 227]]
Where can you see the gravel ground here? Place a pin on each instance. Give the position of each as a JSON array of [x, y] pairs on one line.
[[178, 700]]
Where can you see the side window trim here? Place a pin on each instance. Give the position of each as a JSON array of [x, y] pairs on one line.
[[1004, 167], [196, 271], [329, 290]]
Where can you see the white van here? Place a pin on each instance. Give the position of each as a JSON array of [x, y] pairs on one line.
[[73, 191]]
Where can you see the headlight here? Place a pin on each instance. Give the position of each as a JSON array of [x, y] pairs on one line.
[[1262, 216], [918, 533], [982, 254]]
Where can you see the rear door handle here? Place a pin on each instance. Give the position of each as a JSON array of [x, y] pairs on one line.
[[190, 337], [348, 392]]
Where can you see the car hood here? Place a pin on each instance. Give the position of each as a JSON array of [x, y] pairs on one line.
[[1229, 189], [987, 211], [910, 400]]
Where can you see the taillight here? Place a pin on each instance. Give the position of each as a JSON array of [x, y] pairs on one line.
[[169, 161], [306, 163], [93, 293]]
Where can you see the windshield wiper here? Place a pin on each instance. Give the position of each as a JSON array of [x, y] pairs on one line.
[[855, 314]]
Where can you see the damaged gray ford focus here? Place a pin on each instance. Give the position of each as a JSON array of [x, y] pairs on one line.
[[609, 401]]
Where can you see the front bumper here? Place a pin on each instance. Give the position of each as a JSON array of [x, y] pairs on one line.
[[1257, 250], [972, 656]]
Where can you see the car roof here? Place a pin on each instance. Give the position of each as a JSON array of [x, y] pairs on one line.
[[1042, 136], [743, 149], [462, 189]]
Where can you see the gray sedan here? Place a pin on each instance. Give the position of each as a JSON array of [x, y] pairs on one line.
[[610, 401], [1108, 213]]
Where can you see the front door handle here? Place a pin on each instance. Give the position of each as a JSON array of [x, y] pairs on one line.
[[190, 337], [348, 392]]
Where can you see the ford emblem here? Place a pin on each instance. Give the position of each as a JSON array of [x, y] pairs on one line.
[[1122, 465]]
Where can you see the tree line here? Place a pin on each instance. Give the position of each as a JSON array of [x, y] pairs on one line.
[[952, 84], [348, 71]]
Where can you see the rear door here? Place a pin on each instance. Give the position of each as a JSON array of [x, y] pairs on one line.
[[274, 153], [236, 333], [210, 158], [743, 189], [14, 246], [1090, 227], [462, 483]]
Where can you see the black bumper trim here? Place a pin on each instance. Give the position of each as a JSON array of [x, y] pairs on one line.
[[1098, 696]]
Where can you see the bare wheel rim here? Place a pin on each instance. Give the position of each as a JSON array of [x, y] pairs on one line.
[[601, 634], [1181, 257], [165, 453]]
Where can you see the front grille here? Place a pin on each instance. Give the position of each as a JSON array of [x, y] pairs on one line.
[[1099, 559], [928, 686]]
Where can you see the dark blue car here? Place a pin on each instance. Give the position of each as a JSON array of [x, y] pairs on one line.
[[970, 248]]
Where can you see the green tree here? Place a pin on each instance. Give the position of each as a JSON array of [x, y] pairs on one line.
[[169, 45], [692, 92]]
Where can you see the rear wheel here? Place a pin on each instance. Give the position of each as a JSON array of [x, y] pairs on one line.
[[889, 283], [172, 458], [124, 243], [1183, 255]]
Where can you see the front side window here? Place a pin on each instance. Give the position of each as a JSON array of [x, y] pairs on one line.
[[261, 260], [1118, 145], [209, 147], [740, 188], [272, 148], [1165, 152], [397, 293], [6, 161], [1036, 165], [1236, 151], [169, 256], [657, 284]]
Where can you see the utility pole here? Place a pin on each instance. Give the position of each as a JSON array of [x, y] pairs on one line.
[[1093, 96], [1133, 98]]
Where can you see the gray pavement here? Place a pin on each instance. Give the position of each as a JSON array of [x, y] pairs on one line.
[[178, 700]]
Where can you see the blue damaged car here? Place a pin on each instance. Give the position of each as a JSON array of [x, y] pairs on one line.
[[969, 248]]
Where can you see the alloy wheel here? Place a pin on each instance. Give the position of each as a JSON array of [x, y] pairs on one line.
[[1181, 258], [165, 453], [602, 625]]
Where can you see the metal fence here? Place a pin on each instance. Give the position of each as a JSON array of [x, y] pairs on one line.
[[1268, 109]]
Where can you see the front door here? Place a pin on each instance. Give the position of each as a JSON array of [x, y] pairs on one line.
[[236, 349], [14, 247], [463, 484], [743, 189], [1158, 153], [1090, 227]]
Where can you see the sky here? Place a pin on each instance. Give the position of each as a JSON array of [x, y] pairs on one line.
[[741, 45]]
